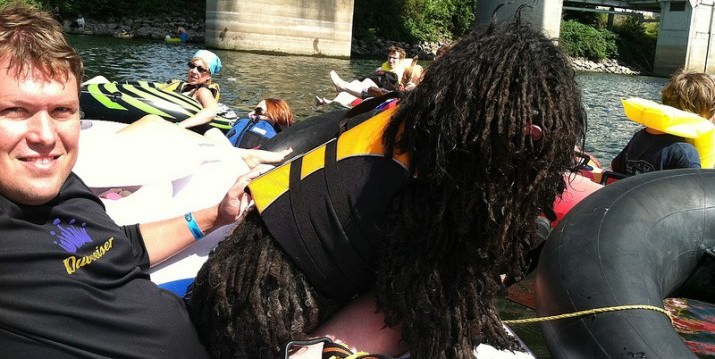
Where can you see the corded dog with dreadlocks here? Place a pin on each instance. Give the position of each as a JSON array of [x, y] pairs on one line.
[[423, 206]]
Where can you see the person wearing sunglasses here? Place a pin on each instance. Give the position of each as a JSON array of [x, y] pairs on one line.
[[275, 111], [269, 117], [199, 86]]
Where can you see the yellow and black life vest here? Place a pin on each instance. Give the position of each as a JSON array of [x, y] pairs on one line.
[[324, 207], [181, 87]]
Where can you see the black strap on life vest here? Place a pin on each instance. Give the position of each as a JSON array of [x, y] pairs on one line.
[[352, 265], [348, 270], [307, 232]]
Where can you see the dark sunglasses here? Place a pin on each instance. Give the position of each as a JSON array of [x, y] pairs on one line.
[[258, 110], [200, 69]]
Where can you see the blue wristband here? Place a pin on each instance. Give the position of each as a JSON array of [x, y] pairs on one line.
[[193, 226]]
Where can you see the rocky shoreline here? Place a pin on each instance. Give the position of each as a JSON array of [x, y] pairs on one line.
[[157, 28]]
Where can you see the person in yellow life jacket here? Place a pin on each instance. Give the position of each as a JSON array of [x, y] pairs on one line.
[[388, 76], [199, 86], [651, 149]]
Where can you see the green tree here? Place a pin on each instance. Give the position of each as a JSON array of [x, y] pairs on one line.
[[413, 20], [636, 43], [579, 40]]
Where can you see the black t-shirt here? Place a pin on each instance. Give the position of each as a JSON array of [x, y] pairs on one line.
[[71, 286], [647, 152]]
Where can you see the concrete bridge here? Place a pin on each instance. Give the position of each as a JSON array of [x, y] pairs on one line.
[[324, 27]]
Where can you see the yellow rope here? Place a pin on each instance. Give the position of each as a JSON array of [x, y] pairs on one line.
[[589, 312]]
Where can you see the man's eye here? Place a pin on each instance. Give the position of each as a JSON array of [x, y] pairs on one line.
[[63, 112], [13, 112]]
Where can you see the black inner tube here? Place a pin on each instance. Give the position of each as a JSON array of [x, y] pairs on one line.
[[637, 241]]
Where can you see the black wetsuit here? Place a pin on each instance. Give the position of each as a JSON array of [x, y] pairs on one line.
[[74, 286]]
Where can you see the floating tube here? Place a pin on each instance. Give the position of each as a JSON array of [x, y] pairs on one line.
[[633, 242], [578, 187], [696, 130], [314, 131], [159, 177], [128, 102]]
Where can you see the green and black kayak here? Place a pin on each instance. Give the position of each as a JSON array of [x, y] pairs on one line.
[[130, 101]]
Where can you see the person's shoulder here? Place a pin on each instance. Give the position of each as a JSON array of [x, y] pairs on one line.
[[684, 147], [684, 154]]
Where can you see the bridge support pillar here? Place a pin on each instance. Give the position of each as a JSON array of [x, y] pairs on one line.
[[541, 13], [302, 27], [685, 37]]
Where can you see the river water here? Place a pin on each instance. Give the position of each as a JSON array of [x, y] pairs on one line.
[[246, 78]]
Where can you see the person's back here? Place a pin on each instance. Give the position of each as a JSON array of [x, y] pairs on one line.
[[647, 152], [652, 150]]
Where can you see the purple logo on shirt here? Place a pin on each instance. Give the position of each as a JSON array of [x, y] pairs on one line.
[[70, 237]]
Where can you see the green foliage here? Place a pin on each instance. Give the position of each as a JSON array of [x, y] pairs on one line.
[[636, 44], [413, 20], [650, 29], [377, 18], [46, 5], [103, 9], [579, 40]]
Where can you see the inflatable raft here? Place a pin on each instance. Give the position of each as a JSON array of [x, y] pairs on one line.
[[152, 170], [128, 102], [622, 250]]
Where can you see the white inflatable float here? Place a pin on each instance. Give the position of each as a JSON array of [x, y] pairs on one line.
[[152, 170]]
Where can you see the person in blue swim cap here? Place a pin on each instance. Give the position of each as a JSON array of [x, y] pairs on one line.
[[200, 87]]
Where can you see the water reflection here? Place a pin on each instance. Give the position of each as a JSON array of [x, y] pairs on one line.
[[246, 78]]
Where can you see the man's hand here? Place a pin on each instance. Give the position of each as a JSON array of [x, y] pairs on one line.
[[236, 202]]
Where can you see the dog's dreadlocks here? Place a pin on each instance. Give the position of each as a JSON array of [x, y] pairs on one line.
[[491, 130], [249, 299], [481, 180]]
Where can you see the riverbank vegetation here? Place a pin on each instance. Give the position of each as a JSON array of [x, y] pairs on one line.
[[627, 38]]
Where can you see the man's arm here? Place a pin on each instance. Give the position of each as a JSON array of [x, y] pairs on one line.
[[167, 237]]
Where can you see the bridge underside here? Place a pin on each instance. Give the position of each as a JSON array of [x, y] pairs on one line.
[[684, 37], [303, 27], [324, 27]]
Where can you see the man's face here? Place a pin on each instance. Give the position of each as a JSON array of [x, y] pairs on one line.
[[393, 59], [39, 134]]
